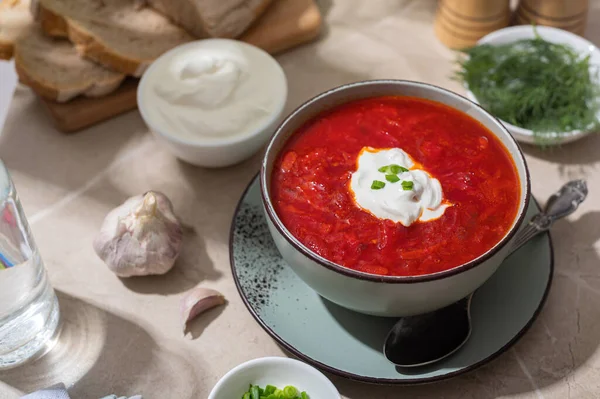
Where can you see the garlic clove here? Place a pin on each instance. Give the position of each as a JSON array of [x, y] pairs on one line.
[[140, 237], [198, 300]]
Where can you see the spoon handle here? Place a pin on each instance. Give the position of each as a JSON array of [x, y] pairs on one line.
[[560, 204], [523, 237]]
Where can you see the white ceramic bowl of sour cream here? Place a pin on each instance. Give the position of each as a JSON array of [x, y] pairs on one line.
[[213, 102]]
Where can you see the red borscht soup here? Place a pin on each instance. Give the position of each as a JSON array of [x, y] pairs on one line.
[[396, 186]]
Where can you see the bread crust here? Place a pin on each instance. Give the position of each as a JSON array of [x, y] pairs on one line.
[[259, 11], [87, 44], [52, 24], [7, 48], [6, 51]]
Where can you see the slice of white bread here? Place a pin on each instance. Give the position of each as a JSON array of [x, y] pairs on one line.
[[124, 35], [56, 71], [216, 18], [14, 20], [52, 68]]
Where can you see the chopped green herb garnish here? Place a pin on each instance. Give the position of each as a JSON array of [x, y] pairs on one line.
[[269, 389], [272, 392], [407, 185], [290, 392], [397, 169], [393, 168], [392, 178], [535, 84], [377, 185]]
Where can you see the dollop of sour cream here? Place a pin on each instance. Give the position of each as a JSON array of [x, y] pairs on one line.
[[411, 194], [213, 89]]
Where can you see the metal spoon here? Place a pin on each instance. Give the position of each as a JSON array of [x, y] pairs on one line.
[[424, 339]]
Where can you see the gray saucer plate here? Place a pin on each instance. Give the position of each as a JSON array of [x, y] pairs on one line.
[[350, 344]]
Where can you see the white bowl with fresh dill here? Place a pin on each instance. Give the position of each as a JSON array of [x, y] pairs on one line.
[[541, 82]]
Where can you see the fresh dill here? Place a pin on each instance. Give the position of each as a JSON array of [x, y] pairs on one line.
[[545, 87]]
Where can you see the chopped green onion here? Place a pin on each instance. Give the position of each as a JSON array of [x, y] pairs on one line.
[[397, 169], [392, 178], [407, 185], [254, 392], [377, 185], [290, 392], [272, 392], [393, 168], [269, 389]]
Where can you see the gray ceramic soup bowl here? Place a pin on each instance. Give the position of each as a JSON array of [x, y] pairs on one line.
[[388, 295]]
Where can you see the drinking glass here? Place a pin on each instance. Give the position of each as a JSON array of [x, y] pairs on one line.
[[29, 314]]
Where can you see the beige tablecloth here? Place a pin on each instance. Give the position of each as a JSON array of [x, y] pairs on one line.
[[124, 336]]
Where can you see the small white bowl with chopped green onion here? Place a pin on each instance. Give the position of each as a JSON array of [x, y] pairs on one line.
[[274, 378], [475, 73]]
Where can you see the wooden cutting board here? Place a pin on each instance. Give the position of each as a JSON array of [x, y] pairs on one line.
[[286, 24]]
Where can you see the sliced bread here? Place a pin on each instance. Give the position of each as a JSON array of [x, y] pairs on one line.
[[56, 71], [216, 18], [14, 21], [124, 35], [51, 67]]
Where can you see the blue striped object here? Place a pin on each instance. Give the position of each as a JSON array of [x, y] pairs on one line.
[[4, 262]]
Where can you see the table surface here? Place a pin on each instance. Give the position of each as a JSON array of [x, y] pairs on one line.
[[124, 336]]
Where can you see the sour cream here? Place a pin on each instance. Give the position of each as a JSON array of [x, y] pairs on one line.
[[212, 90], [415, 196]]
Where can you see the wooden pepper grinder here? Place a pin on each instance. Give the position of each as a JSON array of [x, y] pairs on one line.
[[569, 15], [461, 23]]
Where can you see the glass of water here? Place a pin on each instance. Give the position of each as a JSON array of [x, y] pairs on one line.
[[29, 314]]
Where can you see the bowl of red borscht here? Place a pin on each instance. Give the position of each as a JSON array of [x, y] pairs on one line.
[[393, 198]]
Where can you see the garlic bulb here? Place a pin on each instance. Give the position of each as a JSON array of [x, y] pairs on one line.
[[142, 236]]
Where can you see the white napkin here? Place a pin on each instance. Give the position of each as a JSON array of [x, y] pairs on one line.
[[122, 397], [59, 391]]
